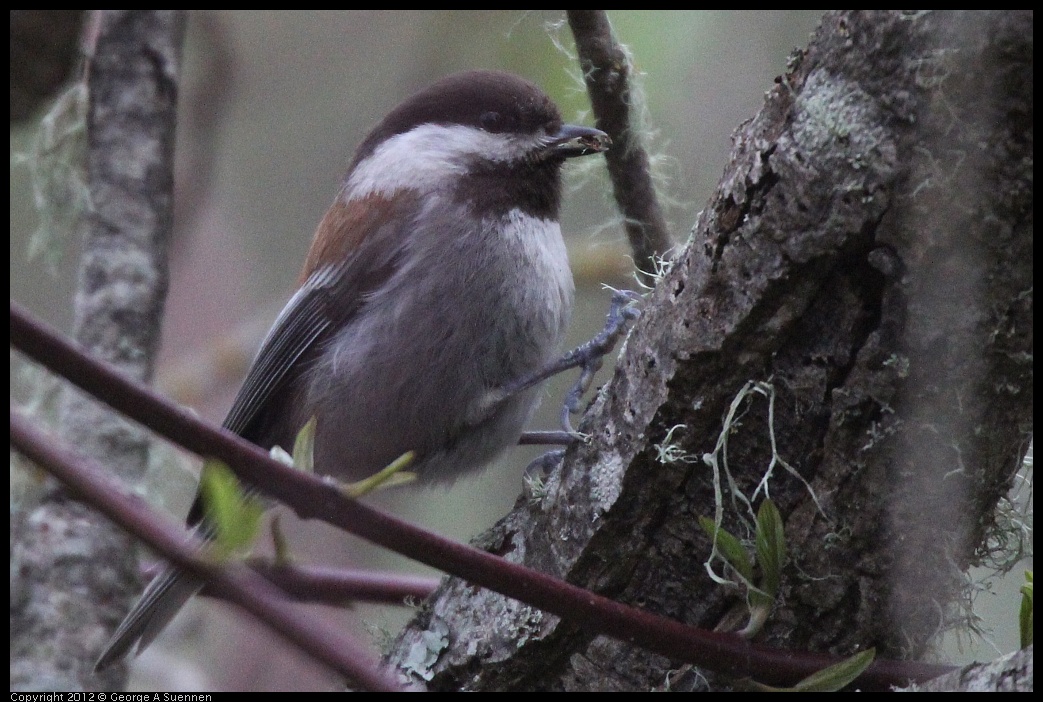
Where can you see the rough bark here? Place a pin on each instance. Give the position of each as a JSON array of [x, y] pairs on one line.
[[1011, 673], [63, 553], [867, 255]]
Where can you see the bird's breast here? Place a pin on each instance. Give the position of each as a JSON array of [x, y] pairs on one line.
[[476, 305]]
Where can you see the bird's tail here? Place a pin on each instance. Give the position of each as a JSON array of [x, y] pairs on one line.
[[162, 599]]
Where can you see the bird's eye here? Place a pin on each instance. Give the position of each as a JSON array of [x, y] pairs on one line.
[[491, 121]]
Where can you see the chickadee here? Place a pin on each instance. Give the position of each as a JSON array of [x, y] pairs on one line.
[[436, 279]]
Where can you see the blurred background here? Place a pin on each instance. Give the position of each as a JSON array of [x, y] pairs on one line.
[[272, 107]]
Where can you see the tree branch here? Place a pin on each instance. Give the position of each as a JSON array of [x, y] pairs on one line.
[[235, 583], [314, 497], [131, 81], [606, 71], [867, 255]]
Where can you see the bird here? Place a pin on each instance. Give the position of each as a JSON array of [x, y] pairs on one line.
[[437, 278]]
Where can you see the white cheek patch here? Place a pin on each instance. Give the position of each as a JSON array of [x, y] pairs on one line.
[[538, 242], [426, 156]]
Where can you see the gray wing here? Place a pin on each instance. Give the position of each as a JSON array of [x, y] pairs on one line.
[[303, 321], [327, 300]]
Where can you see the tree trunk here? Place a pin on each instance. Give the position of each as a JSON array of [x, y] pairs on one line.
[[866, 262]]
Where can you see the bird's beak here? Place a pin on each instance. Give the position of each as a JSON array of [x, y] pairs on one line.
[[573, 140]]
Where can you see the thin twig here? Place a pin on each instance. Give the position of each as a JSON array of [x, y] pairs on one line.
[[235, 583], [606, 71], [308, 583], [315, 498], [131, 76]]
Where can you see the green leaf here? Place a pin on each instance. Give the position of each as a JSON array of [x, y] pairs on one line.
[[760, 609], [837, 676], [281, 546], [393, 474], [1025, 617], [771, 547], [730, 548], [234, 516], [304, 447]]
